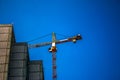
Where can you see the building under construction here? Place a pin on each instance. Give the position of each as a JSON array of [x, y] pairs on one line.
[[14, 58]]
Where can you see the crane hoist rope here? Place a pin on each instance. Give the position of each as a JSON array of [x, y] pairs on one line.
[[53, 49]]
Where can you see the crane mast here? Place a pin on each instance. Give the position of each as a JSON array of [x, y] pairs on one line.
[[53, 49]]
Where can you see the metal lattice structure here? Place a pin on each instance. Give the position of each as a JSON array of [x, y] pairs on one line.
[[53, 49]]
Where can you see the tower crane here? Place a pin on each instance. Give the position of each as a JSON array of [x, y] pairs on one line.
[[53, 49]]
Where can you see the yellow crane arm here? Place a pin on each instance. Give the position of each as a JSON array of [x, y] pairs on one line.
[[71, 39]]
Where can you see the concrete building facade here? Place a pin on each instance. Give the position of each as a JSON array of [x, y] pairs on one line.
[[6, 41], [14, 58]]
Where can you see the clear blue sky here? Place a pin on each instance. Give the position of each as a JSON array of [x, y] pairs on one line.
[[96, 57]]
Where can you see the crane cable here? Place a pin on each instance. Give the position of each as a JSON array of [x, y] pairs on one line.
[[39, 38], [65, 36]]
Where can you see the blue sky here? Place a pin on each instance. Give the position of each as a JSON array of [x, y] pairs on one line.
[[96, 57]]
